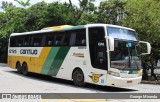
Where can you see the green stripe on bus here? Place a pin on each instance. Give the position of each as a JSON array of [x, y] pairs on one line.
[[73, 27], [58, 61], [49, 60]]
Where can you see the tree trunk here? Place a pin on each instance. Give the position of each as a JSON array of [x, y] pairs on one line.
[[145, 74], [153, 74], [152, 70]]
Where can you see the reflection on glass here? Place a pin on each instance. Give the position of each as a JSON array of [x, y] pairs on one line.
[[120, 33], [126, 55]]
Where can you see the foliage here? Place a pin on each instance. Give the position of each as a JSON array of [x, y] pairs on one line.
[[144, 16], [35, 17], [112, 11]]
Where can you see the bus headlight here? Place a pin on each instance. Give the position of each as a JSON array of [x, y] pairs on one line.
[[140, 72], [114, 73]]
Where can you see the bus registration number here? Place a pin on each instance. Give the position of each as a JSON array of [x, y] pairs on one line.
[[129, 81]]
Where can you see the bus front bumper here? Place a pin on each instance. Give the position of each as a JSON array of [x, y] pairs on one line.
[[122, 82]]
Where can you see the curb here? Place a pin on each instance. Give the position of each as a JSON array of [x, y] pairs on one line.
[[150, 82]]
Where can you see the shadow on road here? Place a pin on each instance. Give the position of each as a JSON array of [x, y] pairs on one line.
[[3, 65], [92, 87]]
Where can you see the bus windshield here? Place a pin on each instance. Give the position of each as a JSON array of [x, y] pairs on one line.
[[126, 49], [126, 55], [121, 33]]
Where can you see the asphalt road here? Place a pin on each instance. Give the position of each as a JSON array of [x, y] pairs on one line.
[[12, 82]]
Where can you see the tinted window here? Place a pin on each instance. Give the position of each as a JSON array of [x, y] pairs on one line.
[[37, 40], [12, 41], [26, 41], [81, 38], [19, 41], [49, 39], [59, 39], [66, 40], [72, 39], [78, 38]]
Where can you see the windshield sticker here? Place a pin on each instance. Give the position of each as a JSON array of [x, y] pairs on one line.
[[102, 81], [129, 45], [134, 71]]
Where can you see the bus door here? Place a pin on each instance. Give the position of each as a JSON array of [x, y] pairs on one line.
[[98, 55]]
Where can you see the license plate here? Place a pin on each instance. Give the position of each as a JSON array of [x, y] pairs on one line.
[[129, 81]]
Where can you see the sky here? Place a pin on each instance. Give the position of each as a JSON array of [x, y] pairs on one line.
[[75, 2]]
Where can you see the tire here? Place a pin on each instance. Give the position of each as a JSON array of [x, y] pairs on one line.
[[78, 78], [18, 67], [25, 69]]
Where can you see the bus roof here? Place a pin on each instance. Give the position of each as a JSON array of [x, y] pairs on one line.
[[51, 29], [108, 25], [67, 27]]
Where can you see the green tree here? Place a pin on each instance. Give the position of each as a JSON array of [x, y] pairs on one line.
[[112, 11], [144, 16]]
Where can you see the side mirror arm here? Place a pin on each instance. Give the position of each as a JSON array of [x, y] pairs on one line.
[[110, 40]]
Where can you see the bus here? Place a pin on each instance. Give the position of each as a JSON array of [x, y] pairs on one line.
[[102, 54]]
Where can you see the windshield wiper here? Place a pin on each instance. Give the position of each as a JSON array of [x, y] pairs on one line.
[[129, 54], [135, 62]]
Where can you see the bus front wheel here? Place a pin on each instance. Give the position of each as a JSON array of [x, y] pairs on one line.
[[78, 78], [25, 69]]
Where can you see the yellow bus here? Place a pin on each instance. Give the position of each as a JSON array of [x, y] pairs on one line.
[[102, 54]]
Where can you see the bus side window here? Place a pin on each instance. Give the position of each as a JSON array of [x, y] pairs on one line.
[[27, 40], [19, 41], [37, 41], [81, 38], [66, 39], [12, 41], [49, 39], [59, 39], [72, 39]]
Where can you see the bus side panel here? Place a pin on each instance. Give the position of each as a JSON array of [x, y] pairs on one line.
[[75, 58], [40, 61], [23, 59], [78, 57], [11, 62], [54, 60], [50, 57]]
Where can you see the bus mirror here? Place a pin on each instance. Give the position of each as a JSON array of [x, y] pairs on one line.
[[146, 46], [110, 42]]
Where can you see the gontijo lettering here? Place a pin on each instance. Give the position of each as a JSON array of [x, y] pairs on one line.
[[29, 51]]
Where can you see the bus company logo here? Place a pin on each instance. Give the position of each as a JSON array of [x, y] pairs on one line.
[[95, 77], [29, 51], [6, 96]]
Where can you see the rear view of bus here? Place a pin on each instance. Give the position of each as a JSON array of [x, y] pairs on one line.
[[120, 54]]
